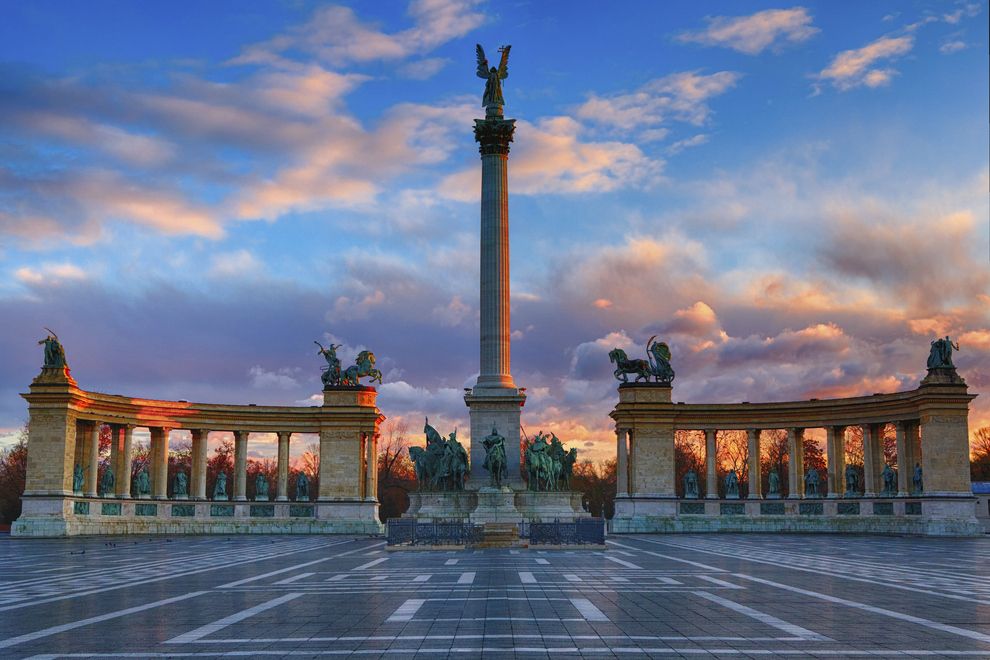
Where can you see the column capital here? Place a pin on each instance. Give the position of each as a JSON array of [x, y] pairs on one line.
[[494, 135]]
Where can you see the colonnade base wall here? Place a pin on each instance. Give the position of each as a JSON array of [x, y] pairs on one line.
[[64, 432], [930, 494]]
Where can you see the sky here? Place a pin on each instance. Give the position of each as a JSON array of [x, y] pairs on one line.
[[793, 196]]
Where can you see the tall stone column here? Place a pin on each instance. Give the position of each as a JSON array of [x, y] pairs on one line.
[[371, 464], [711, 476], [282, 489], [115, 435], [240, 465], [159, 462], [755, 474], [621, 463], [200, 444], [495, 402], [872, 457], [92, 476], [795, 463], [126, 452], [835, 440], [903, 460]]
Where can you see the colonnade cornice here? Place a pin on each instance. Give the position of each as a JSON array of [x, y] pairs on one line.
[[850, 411]]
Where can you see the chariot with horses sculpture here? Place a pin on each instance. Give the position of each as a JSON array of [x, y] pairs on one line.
[[655, 366], [364, 367]]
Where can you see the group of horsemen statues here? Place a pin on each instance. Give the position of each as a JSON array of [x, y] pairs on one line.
[[443, 464]]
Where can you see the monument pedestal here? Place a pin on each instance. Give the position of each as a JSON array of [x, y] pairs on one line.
[[495, 505], [497, 408]]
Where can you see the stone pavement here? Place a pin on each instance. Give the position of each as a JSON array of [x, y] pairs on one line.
[[646, 596]]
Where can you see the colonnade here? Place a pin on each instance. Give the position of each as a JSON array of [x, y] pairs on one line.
[[121, 461], [833, 484]]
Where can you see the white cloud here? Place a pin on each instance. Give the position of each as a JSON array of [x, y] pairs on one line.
[[753, 34], [853, 68], [677, 97], [335, 35], [50, 274], [423, 69], [681, 145], [281, 379], [952, 46], [235, 265]]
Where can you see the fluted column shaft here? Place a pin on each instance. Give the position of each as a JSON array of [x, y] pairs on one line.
[[240, 465], [126, 450], [872, 457], [903, 460], [282, 489], [755, 476], [795, 463], [92, 480], [711, 476], [494, 135], [200, 443], [622, 463], [159, 463], [835, 439]]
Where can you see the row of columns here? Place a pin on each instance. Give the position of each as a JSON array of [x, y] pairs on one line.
[[121, 459], [908, 453]]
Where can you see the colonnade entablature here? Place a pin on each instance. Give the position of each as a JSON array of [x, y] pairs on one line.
[[66, 493], [928, 492]]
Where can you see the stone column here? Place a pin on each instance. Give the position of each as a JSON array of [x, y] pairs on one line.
[[755, 476], [240, 465], [197, 478], [711, 475], [903, 460], [621, 463], [872, 457], [282, 490], [835, 441], [795, 463], [115, 435], [913, 441], [371, 464], [92, 481], [124, 477], [158, 457]]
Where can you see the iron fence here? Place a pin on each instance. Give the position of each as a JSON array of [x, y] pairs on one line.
[[408, 531], [580, 531]]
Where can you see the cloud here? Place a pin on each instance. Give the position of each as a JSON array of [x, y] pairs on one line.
[[336, 36], [853, 68], [281, 379], [676, 97], [239, 264], [552, 158], [423, 69], [681, 145], [755, 33], [952, 46], [50, 274]]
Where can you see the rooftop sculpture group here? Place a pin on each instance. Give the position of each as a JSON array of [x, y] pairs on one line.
[[548, 465], [364, 367], [443, 465], [54, 353], [656, 365]]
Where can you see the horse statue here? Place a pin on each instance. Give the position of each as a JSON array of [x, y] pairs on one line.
[[442, 464], [419, 459], [658, 354], [364, 367], [567, 467], [625, 366], [538, 463], [495, 461]]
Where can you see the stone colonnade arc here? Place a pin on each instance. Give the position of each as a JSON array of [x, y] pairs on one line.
[[833, 485], [931, 425], [65, 423]]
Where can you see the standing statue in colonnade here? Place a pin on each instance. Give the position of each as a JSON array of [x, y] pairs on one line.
[[811, 480], [302, 488], [852, 482], [220, 489], [107, 482], [77, 479], [889, 481], [732, 485]]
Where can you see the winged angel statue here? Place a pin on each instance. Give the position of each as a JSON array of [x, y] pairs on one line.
[[493, 100]]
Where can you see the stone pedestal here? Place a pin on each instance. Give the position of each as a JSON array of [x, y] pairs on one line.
[[499, 408], [495, 505]]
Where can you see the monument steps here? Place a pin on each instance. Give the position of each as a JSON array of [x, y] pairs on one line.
[[500, 535]]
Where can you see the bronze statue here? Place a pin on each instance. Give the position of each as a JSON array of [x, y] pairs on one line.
[[624, 366], [732, 485], [220, 489], [331, 373], [548, 465], [494, 457], [54, 353], [107, 482], [364, 367], [852, 482], [691, 484], [77, 479], [493, 100], [773, 480], [658, 354], [180, 486], [443, 465], [302, 488], [261, 488], [811, 480], [143, 483], [889, 481], [919, 485], [940, 356]]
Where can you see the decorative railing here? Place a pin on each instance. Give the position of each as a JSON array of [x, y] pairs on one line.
[[408, 531], [580, 531]]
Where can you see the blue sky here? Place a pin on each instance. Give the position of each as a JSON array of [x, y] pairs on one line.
[[794, 195]]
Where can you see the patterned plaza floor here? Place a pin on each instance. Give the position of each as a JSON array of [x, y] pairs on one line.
[[645, 596]]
